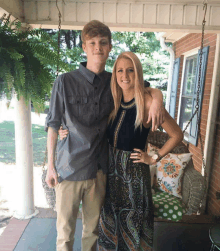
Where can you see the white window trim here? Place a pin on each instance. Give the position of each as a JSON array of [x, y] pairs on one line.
[[186, 55]]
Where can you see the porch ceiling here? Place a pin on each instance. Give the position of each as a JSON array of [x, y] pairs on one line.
[[175, 17], [173, 36]]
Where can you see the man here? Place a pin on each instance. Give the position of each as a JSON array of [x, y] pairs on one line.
[[81, 101]]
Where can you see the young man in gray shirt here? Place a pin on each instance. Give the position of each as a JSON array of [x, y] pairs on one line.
[[81, 101]]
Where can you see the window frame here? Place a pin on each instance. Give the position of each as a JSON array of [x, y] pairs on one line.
[[186, 55], [192, 137]]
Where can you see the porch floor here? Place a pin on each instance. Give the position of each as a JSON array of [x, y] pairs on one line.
[[39, 233]]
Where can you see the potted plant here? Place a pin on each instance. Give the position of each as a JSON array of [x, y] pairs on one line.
[[27, 58]]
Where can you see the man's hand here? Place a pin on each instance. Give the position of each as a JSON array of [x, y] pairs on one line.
[[52, 177], [156, 114]]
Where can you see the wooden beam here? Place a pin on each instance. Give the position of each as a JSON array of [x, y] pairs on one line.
[[196, 219]]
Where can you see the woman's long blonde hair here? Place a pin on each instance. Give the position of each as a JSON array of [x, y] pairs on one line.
[[138, 88]]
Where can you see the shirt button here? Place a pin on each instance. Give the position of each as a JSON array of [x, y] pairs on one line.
[[96, 88], [96, 118], [96, 103]]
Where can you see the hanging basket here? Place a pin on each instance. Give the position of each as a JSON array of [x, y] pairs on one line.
[[49, 192]]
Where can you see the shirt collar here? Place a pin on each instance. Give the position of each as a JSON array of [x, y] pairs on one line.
[[89, 75], [103, 75]]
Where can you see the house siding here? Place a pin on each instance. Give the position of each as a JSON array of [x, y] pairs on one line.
[[182, 46]]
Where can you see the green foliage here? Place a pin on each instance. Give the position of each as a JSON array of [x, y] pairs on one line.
[[27, 62], [7, 143], [146, 47], [71, 51], [154, 61], [162, 85]]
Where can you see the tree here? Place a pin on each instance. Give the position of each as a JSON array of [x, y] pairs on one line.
[[146, 46], [71, 51], [154, 61]]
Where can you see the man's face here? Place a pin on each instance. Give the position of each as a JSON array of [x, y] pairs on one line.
[[97, 49]]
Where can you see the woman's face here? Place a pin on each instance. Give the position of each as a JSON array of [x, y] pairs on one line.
[[125, 74]]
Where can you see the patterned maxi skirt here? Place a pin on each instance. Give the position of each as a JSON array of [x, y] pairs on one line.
[[126, 221]]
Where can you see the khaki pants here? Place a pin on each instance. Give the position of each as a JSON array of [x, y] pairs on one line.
[[68, 197]]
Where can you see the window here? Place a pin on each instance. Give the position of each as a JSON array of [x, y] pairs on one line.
[[188, 95], [174, 86], [188, 86]]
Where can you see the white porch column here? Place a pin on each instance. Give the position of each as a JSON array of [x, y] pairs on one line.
[[212, 114], [24, 161]]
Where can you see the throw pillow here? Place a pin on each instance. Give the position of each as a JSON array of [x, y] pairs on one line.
[[170, 171], [167, 206]]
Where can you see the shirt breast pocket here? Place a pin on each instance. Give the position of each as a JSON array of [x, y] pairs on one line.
[[78, 105], [107, 105]]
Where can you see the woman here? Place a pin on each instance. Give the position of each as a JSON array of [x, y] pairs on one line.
[[126, 221]]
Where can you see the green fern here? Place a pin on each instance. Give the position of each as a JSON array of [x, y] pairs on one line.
[[26, 60]]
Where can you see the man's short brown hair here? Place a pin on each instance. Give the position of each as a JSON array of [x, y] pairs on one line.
[[95, 28]]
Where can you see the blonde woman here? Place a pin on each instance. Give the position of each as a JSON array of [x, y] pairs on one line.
[[126, 221]]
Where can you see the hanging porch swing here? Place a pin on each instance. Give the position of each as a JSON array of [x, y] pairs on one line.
[[193, 187]]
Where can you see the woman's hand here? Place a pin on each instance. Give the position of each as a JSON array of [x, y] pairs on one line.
[[62, 133], [142, 157]]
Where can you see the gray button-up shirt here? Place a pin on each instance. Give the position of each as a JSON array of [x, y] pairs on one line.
[[81, 101]]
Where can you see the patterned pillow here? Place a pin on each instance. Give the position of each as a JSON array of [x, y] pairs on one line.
[[170, 170]]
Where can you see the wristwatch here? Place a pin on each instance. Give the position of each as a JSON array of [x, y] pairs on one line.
[[156, 156]]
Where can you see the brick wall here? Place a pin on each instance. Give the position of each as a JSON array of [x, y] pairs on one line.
[[184, 45]]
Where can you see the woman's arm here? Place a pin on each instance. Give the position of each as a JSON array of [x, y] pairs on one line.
[[172, 129], [169, 125], [175, 133], [156, 112]]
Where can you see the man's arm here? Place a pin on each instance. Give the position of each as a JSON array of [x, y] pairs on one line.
[[51, 178], [53, 122], [157, 111]]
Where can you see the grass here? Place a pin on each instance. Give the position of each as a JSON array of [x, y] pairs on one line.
[[7, 143]]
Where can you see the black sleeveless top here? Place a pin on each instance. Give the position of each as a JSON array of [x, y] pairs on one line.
[[122, 134]]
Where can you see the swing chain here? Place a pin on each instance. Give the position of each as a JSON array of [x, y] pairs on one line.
[[199, 77], [199, 88], [198, 99], [59, 27]]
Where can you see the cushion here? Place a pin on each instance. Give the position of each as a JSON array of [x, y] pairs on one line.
[[169, 171], [167, 206]]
